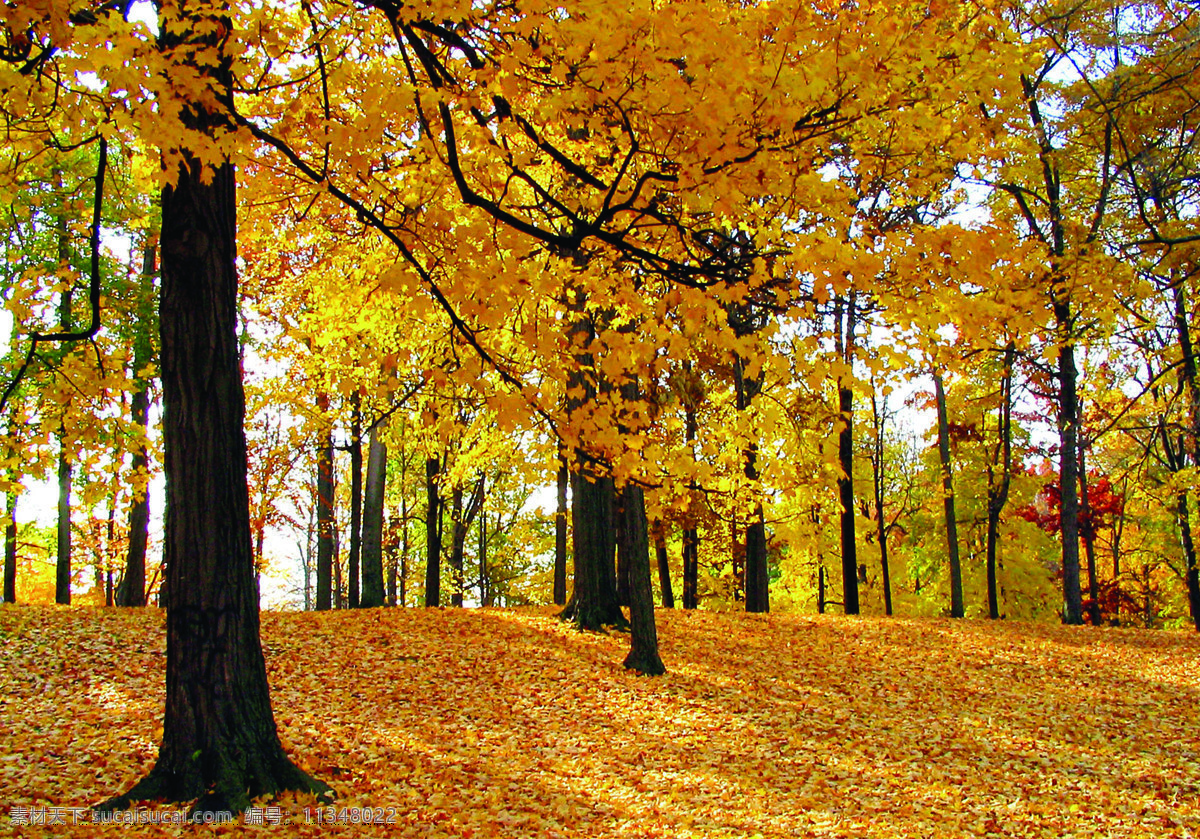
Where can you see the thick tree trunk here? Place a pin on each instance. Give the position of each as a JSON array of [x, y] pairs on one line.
[[356, 483], [433, 534], [219, 741], [593, 604], [957, 604], [372, 525], [326, 536], [664, 566], [560, 533], [643, 653]]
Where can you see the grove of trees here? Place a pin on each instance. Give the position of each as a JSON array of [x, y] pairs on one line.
[[880, 308]]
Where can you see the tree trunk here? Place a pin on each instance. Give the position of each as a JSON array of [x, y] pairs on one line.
[[593, 604], [356, 484], [1068, 408], [132, 591], [664, 566], [10, 549], [756, 570], [372, 526], [1188, 373], [219, 741], [643, 653], [691, 536], [1087, 531], [325, 511], [433, 534], [62, 571], [560, 532], [845, 346], [877, 473], [957, 606], [998, 492]]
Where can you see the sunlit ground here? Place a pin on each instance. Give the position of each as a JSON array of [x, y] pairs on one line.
[[506, 723]]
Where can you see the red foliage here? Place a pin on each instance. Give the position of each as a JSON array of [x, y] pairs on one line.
[[1104, 505]]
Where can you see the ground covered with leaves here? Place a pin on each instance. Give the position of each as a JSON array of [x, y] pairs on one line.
[[508, 723]]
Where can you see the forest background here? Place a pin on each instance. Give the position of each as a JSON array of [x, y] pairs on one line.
[[1004, 235]]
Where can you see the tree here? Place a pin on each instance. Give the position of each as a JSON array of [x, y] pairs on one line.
[[220, 743]]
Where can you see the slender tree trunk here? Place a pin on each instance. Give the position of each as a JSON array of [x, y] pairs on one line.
[[132, 591], [486, 592], [372, 525], [1188, 373], [820, 589], [10, 549], [433, 534], [664, 565], [879, 417], [998, 488], [957, 605], [1068, 408], [356, 484], [844, 341], [560, 532], [691, 536], [219, 741], [62, 574], [326, 535], [1087, 530], [756, 570]]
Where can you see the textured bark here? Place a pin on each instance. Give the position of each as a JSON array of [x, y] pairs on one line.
[[372, 525], [957, 604], [219, 741], [691, 537], [593, 604], [643, 652], [756, 571]]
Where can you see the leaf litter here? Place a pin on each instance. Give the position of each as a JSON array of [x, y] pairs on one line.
[[475, 723]]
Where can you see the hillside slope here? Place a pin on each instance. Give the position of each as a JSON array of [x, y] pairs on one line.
[[507, 723]]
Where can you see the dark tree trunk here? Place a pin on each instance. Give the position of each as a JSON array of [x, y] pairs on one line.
[[356, 483], [1088, 532], [643, 652], [372, 526], [593, 604], [820, 589], [957, 604], [878, 477], [1192, 573], [1189, 375], [132, 591], [487, 592], [664, 566], [691, 536], [462, 515], [560, 533], [10, 549], [626, 542], [998, 488], [1068, 409], [219, 741], [62, 571], [756, 570], [326, 536], [844, 340], [433, 534]]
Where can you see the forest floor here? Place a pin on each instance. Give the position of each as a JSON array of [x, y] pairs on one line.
[[507, 723]]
